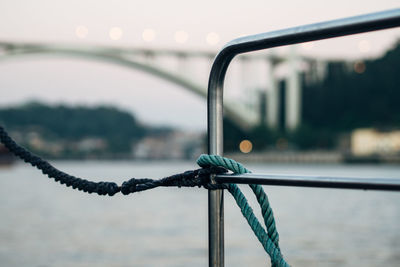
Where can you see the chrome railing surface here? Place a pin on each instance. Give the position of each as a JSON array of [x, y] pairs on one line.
[[335, 28]]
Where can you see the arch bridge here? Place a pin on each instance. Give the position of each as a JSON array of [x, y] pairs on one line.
[[150, 61]]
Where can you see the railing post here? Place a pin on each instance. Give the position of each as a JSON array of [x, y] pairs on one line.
[[215, 197]]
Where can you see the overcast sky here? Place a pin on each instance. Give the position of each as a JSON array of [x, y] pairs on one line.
[[188, 25]]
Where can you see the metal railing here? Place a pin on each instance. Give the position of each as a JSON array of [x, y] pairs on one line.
[[353, 25]]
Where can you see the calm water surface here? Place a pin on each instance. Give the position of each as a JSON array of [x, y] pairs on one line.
[[45, 224]]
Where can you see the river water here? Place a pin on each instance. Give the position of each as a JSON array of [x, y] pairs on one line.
[[46, 224]]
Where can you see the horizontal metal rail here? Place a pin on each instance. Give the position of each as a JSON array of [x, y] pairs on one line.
[[312, 32], [389, 184]]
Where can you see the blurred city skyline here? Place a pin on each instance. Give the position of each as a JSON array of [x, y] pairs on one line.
[[180, 25]]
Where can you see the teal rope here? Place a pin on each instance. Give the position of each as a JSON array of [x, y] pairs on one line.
[[236, 167], [269, 238]]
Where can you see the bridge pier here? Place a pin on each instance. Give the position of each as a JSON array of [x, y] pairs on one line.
[[183, 67], [293, 93], [272, 96]]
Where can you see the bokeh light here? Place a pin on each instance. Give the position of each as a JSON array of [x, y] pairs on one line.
[[212, 38], [364, 46], [115, 33], [81, 31], [148, 35], [308, 45], [359, 67], [181, 37], [246, 146]]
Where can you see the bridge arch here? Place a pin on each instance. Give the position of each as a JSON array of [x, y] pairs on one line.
[[131, 64]]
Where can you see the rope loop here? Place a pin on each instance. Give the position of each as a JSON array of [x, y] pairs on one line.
[[268, 237]]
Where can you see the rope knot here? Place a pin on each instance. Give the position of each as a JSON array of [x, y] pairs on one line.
[[267, 236], [128, 187], [205, 177]]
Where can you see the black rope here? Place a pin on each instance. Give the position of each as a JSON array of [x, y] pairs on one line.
[[199, 177]]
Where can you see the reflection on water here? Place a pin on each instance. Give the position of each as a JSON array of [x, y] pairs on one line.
[[45, 224]]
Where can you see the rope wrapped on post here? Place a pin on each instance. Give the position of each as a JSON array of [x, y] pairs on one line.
[[268, 237]]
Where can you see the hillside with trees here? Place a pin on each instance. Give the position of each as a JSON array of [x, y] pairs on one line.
[[73, 131]]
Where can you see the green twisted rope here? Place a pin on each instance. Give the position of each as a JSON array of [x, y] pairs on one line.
[[269, 238]]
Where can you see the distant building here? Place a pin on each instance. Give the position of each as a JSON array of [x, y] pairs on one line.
[[57, 148], [175, 145], [92, 144], [366, 142]]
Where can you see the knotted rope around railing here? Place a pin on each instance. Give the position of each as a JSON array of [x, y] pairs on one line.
[[211, 164], [269, 238]]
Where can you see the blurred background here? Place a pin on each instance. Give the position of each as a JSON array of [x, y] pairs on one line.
[[114, 90]]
